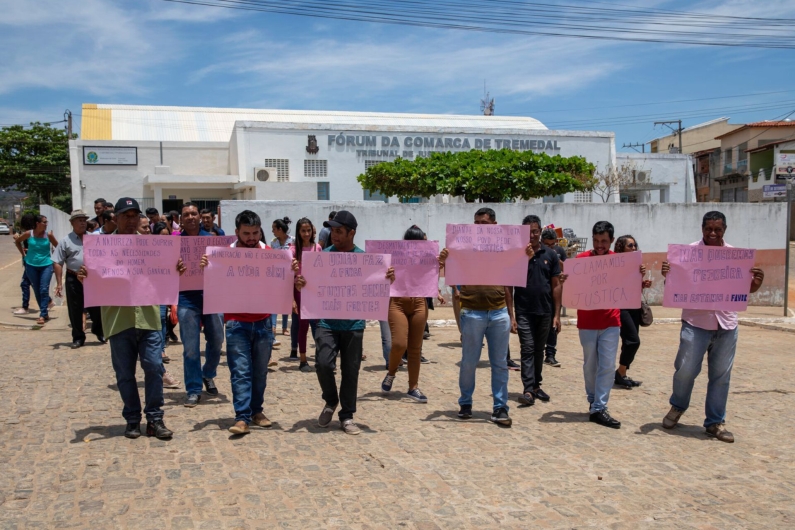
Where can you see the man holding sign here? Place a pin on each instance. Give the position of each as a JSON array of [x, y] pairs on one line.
[[343, 336], [189, 312], [486, 310], [711, 331], [134, 332]]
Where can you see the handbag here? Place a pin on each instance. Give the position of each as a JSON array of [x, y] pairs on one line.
[[646, 317]]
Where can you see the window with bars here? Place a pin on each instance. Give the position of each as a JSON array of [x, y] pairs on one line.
[[316, 168], [368, 196], [210, 204], [323, 191], [370, 163], [583, 196], [282, 166]]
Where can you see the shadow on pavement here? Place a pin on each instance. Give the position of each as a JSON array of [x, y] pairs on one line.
[[452, 417], [98, 432], [450, 345], [687, 431], [312, 426], [562, 416], [395, 395]]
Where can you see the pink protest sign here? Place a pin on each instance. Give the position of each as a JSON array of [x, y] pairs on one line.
[[131, 270], [248, 280], [345, 286], [704, 277], [612, 281], [192, 249], [415, 263], [486, 255]]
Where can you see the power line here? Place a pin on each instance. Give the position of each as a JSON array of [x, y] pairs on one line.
[[535, 18]]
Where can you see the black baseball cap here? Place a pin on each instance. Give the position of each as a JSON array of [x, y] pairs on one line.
[[344, 218], [126, 203], [330, 217]]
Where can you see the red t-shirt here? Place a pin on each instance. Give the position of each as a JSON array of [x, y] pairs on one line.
[[598, 318], [247, 317]]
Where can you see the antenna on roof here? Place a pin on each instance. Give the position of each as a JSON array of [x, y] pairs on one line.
[[486, 104]]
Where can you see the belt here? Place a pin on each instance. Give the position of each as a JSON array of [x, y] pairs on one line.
[[70, 271]]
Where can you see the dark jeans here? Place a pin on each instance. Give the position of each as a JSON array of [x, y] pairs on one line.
[[349, 346], [74, 304], [533, 331], [25, 285], [552, 340], [248, 351], [630, 339], [126, 348]]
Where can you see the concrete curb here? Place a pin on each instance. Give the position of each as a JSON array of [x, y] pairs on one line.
[[773, 327]]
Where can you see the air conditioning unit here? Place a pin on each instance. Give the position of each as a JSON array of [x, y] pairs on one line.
[[265, 174], [643, 177]]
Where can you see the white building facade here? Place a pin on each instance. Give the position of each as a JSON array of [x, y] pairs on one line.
[[165, 156]]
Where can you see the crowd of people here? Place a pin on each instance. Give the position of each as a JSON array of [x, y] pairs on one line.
[[486, 315]]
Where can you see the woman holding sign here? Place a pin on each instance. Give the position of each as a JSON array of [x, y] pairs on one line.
[[299, 328], [630, 324], [407, 318]]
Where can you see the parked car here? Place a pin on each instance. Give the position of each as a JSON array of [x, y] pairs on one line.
[[4, 230]]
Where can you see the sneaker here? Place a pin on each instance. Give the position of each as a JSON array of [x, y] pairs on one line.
[[551, 361], [500, 417], [326, 416], [426, 336], [304, 367], [527, 399], [417, 395], [261, 420], [718, 430], [465, 413], [386, 384], [423, 360], [603, 418], [240, 427], [169, 381], [165, 358], [192, 400], [77, 344], [541, 395], [133, 430], [293, 355], [672, 418], [621, 381], [350, 428], [512, 365], [173, 338], [158, 429], [24, 311], [210, 387], [276, 343]]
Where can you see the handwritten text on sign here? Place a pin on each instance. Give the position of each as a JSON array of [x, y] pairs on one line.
[[131, 270], [486, 255], [704, 277], [416, 266], [192, 249], [604, 282], [345, 286], [248, 280]]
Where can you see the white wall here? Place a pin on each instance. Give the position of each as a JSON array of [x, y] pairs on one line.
[[58, 221], [674, 171]]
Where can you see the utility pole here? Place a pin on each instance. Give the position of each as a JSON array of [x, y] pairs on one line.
[[786, 243], [635, 147], [677, 131], [67, 116]]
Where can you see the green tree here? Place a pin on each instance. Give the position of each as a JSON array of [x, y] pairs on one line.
[[491, 176], [35, 160]]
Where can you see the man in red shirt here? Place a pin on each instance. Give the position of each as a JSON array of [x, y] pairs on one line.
[[599, 333]]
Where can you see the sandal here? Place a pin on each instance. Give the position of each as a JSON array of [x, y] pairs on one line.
[[285, 331], [42, 320]]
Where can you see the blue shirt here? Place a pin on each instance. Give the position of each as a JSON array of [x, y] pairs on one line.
[[342, 325], [193, 299]]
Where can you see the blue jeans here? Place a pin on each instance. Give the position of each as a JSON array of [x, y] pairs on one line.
[[248, 351], [163, 312], [720, 346], [39, 278], [599, 350], [386, 340], [25, 285], [126, 348], [190, 334], [495, 326], [275, 320]]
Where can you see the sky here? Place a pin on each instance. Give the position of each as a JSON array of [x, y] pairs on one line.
[[63, 53]]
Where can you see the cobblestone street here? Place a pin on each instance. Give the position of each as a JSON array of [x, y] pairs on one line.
[[65, 463]]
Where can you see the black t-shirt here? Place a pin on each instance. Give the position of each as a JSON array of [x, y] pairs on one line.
[[560, 252], [536, 297]]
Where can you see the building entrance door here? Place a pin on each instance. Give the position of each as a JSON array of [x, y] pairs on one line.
[[172, 204]]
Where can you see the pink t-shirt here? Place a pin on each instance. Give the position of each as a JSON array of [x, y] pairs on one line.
[[312, 248], [707, 318]]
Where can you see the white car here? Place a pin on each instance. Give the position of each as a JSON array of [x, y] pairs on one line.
[[4, 230]]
